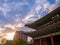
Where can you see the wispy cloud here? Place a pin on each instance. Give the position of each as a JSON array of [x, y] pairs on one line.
[[14, 14]]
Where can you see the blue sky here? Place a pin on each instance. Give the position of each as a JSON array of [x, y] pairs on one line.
[[14, 14]]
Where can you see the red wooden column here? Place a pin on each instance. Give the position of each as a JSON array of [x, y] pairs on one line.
[[52, 41], [33, 43], [40, 41]]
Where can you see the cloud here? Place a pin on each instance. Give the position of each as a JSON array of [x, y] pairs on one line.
[[4, 8], [9, 10], [35, 13], [27, 17], [13, 27], [17, 13], [15, 6], [19, 25], [2, 29], [13, 12], [26, 29], [10, 26], [40, 9]]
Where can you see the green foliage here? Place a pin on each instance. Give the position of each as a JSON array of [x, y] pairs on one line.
[[9, 42], [20, 41]]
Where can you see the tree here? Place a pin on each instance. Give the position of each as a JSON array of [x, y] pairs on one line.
[[9, 42], [20, 41]]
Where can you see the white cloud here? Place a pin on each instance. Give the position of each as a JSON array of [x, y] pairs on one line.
[[40, 1], [40, 4], [5, 8], [10, 26], [1, 29], [28, 16], [47, 5], [19, 23], [38, 8], [26, 29], [14, 26]]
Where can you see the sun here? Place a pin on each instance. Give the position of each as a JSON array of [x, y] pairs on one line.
[[10, 36]]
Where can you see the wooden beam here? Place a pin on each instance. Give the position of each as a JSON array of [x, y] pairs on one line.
[[52, 41], [44, 36], [33, 43], [40, 41]]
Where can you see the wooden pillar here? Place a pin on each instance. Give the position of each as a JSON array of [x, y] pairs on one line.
[[52, 41], [33, 43], [40, 41]]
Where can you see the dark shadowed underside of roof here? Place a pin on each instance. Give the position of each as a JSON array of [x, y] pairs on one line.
[[46, 30], [50, 29], [44, 19]]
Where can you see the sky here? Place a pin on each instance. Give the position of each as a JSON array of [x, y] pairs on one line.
[[14, 14]]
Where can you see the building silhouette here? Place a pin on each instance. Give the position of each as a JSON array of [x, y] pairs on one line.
[[47, 29], [19, 34]]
